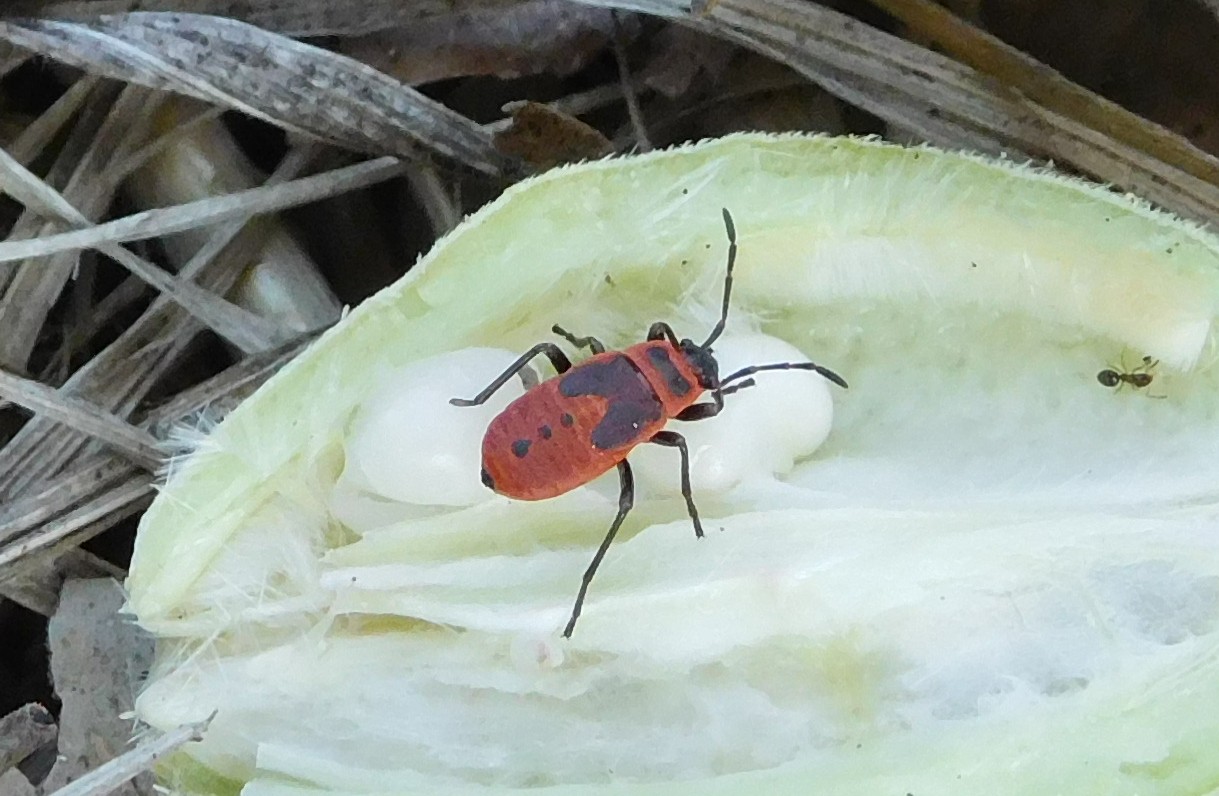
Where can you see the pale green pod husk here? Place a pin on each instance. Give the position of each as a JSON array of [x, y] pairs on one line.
[[996, 574]]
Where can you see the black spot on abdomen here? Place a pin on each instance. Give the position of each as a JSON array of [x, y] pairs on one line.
[[488, 481], [545, 432], [632, 401], [520, 448], [677, 383], [567, 420]]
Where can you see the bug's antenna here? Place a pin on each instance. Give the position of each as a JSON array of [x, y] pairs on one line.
[[719, 326]]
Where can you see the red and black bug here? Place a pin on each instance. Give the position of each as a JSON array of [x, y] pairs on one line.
[[567, 430]]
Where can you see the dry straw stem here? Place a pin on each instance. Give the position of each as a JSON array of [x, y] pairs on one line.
[[125, 767], [941, 100], [294, 17], [245, 330], [80, 524], [991, 56], [103, 129], [120, 376], [296, 86], [191, 215], [42, 131], [78, 414], [107, 489]]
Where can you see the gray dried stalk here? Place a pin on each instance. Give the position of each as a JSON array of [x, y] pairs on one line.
[[240, 327], [938, 99], [296, 86], [120, 376], [505, 40], [107, 488], [109, 777], [166, 221], [290, 17], [83, 417], [118, 380]]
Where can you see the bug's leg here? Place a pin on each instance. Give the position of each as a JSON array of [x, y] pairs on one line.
[[662, 331], [703, 411], [730, 389], [553, 353], [529, 377], [671, 439], [626, 499], [591, 343]]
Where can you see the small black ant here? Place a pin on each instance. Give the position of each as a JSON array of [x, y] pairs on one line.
[[1137, 378]]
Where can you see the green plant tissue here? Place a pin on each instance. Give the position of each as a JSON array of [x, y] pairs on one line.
[[978, 570]]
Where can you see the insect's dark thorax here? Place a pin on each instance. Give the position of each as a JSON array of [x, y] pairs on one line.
[[669, 373], [630, 404]]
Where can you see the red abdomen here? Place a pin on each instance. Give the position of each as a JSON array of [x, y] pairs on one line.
[[570, 429]]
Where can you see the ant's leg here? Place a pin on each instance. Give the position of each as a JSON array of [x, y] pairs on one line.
[[556, 356], [1148, 364], [671, 439], [591, 343], [626, 499], [662, 331]]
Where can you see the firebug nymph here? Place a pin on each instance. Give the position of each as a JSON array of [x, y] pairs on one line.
[[571, 428]]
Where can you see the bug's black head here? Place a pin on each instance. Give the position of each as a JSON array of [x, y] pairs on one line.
[[701, 360]]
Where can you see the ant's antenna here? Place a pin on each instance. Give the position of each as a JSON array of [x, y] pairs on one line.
[[719, 326]]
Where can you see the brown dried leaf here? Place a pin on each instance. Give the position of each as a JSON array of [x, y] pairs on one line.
[[525, 38], [680, 56], [545, 137], [296, 86]]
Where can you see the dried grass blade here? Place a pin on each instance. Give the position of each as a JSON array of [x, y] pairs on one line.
[[200, 213], [296, 18], [66, 512], [30, 289], [79, 525], [242, 328], [106, 778], [41, 131], [296, 86], [992, 56], [78, 414], [946, 102], [227, 388], [121, 375], [73, 489]]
